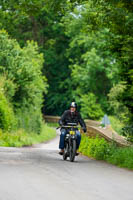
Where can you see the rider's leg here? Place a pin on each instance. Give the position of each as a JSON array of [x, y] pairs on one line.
[[62, 138], [78, 138]]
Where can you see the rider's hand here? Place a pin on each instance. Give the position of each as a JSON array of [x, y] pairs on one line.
[[61, 123], [84, 129]]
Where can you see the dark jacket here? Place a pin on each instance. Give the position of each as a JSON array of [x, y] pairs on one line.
[[69, 117]]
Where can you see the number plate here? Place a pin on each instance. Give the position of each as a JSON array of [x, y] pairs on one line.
[[72, 132]]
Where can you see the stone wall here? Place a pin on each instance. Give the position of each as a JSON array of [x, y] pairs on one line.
[[94, 129], [55, 119]]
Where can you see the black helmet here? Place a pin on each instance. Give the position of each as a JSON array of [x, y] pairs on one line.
[[73, 104]]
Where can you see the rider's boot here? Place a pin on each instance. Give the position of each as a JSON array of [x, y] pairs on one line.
[[61, 151]]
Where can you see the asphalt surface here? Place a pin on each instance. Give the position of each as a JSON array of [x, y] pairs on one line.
[[39, 173]]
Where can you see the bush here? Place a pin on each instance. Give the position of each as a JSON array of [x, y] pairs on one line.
[[24, 83], [7, 117], [100, 149], [123, 157], [97, 148], [30, 120], [116, 124], [128, 132], [21, 138], [90, 109]]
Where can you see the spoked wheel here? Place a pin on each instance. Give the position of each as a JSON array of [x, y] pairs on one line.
[[65, 154], [72, 150]]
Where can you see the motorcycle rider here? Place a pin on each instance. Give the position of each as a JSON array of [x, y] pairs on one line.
[[70, 116]]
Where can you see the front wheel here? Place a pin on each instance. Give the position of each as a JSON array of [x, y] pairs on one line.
[[65, 154], [72, 150]]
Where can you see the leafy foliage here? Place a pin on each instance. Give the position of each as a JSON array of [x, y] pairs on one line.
[[122, 157], [101, 50], [116, 124], [116, 105], [96, 148], [40, 21], [24, 84], [87, 47], [128, 132], [93, 69], [21, 138], [89, 107], [100, 149], [7, 117]]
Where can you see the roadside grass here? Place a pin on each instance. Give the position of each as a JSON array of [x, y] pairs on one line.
[[21, 138], [100, 149], [123, 157], [53, 124], [116, 124]]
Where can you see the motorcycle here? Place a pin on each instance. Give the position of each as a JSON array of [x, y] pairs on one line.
[[70, 141]]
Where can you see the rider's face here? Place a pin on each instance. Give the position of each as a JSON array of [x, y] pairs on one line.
[[73, 109]]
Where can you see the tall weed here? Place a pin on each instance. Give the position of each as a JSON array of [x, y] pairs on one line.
[[122, 157], [22, 138], [7, 117], [97, 148], [30, 120], [100, 149]]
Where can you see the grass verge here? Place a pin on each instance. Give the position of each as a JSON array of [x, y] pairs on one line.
[[100, 149], [22, 138], [53, 124], [116, 124]]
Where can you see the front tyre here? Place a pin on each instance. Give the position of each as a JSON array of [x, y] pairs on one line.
[[72, 150], [65, 154]]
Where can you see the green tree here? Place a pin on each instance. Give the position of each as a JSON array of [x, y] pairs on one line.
[[7, 117], [121, 24], [90, 109], [94, 66], [87, 46], [40, 21], [25, 84], [101, 35], [115, 95]]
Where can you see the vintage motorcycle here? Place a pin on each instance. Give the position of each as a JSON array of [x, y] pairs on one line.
[[70, 141]]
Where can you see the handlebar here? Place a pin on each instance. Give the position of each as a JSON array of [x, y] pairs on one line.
[[68, 126]]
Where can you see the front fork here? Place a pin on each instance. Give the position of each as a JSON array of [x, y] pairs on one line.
[[74, 137]]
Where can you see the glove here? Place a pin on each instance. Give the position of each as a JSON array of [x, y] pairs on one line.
[[84, 129], [60, 123]]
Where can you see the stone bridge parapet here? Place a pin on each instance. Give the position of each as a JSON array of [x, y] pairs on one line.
[[94, 129]]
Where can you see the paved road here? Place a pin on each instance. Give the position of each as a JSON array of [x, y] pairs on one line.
[[39, 173]]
